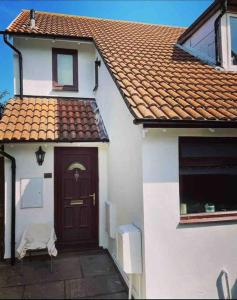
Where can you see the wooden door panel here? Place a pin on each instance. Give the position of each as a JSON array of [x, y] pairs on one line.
[[83, 188], [76, 178], [84, 216], [68, 221], [67, 188]]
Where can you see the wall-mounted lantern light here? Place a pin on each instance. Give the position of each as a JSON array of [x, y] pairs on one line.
[[97, 65], [40, 154]]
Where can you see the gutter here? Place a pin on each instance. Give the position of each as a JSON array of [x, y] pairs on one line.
[[13, 202], [49, 36], [20, 61], [153, 123], [217, 35], [15, 141]]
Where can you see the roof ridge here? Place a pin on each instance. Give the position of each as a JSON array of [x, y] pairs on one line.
[[105, 19]]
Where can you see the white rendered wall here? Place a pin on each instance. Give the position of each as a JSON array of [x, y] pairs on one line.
[[26, 167], [124, 158], [37, 67], [202, 42], [182, 261]]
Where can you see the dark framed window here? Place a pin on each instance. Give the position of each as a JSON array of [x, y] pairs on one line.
[[208, 177], [65, 69]]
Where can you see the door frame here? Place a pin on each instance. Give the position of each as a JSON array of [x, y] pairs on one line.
[[82, 245], [2, 201]]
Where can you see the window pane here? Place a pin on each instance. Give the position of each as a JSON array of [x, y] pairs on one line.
[[207, 148], [233, 28], [65, 69], [214, 190], [208, 175]]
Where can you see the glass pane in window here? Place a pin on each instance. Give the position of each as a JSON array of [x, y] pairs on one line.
[[233, 28], [203, 193], [65, 69], [208, 175]]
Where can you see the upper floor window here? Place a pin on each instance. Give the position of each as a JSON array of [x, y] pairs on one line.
[[233, 32], [65, 69]]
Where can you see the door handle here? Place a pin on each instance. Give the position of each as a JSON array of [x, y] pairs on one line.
[[93, 197]]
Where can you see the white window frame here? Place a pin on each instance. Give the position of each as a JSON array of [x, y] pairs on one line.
[[226, 43]]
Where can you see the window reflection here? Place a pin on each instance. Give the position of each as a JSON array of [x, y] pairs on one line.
[[65, 69], [233, 30]]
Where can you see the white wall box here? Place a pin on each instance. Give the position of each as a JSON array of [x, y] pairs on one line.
[[31, 192], [130, 249]]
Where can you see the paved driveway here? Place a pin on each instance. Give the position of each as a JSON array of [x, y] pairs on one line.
[[90, 275]]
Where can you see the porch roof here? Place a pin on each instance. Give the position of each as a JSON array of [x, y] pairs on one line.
[[52, 120]]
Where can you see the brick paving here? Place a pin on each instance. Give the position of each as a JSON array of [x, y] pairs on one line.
[[90, 275]]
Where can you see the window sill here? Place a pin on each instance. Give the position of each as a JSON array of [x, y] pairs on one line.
[[64, 89], [232, 68], [208, 217]]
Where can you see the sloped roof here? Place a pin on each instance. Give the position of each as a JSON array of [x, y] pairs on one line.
[[158, 80], [51, 119]]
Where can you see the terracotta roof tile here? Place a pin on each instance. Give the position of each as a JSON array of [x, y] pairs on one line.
[[148, 68], [47, 119]]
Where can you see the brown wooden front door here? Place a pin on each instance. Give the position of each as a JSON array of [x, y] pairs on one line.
[[2, 199], [76, 197]]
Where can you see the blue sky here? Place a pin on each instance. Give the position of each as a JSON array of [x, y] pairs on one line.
[[168, 12]]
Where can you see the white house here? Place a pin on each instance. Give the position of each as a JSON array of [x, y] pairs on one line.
[[140, 116]]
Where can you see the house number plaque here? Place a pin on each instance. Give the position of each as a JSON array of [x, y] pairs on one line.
[[48, 175]]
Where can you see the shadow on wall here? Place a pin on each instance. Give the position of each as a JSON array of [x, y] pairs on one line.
[[223, 289]]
